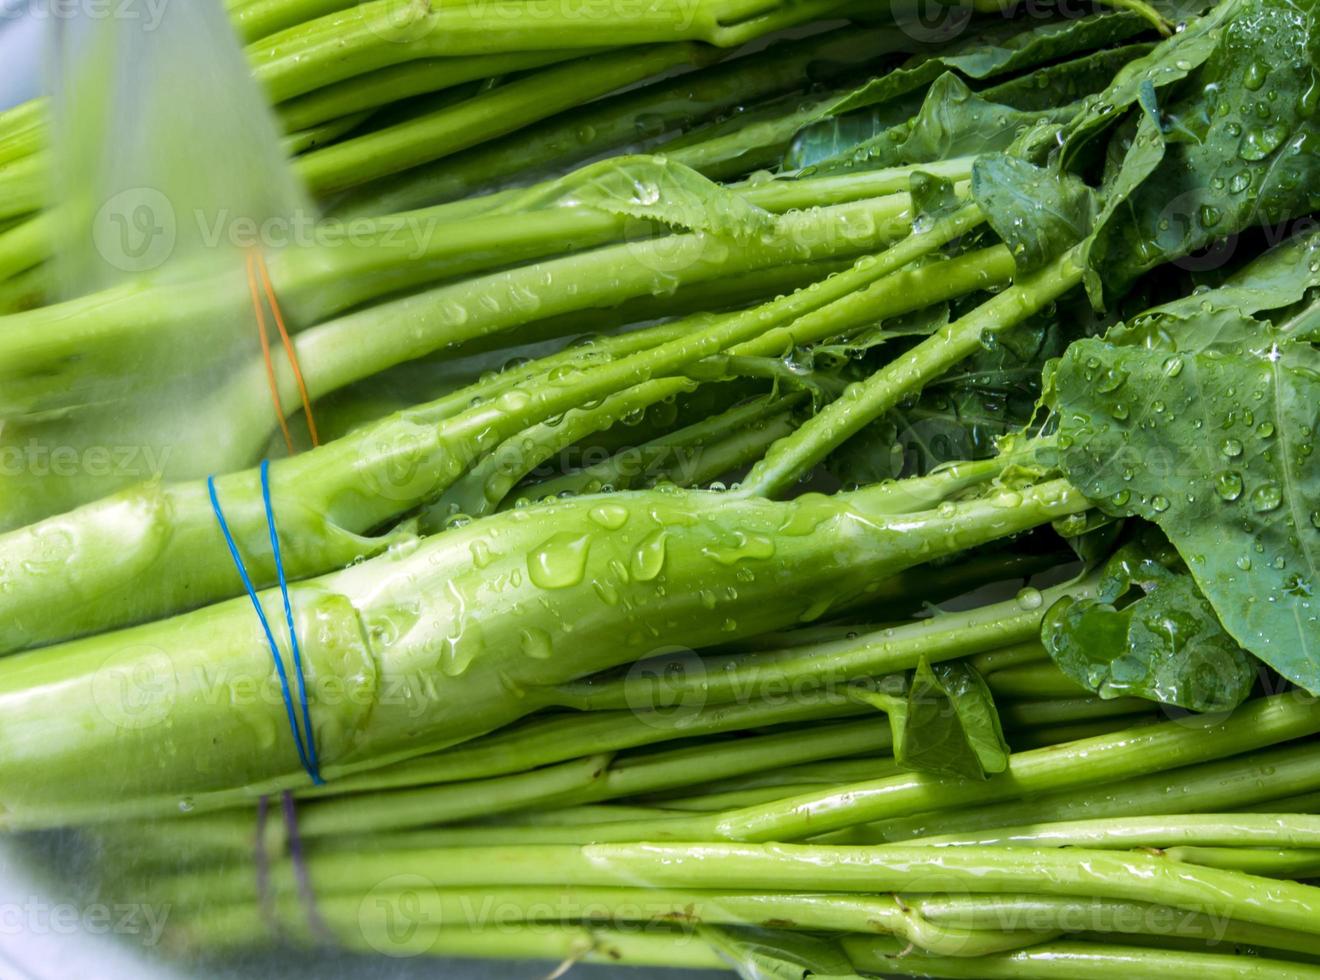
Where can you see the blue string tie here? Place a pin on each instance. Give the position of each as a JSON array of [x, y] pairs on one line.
[[306, 743]]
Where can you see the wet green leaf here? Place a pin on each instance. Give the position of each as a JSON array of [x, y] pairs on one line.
[[1038, 213], [1204, 422], [1149, 634], [1232, 148], [945, 722], [650, 188]]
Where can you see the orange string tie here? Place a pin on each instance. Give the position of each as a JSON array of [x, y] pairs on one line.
[[257, 271]]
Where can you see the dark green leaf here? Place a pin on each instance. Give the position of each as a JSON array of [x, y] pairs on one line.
[[953, 121], [853, 125], [1038, 213], [975, 708], [945, 722], [1204, 422], [931, 195], [1172, 60], [1069, 81], [1236, 145], [1002, 48], [1165, 645]]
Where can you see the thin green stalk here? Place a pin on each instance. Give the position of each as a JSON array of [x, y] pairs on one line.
[[1078, 961], [368, 37], [1200, 829], [236, 926], [1209, 787], [1038, 738], [1072, 915], [1061, 711], [867, 870], [390, 85], [583, 781], [305, 140], [719, 801], [1012, 656], [491, 480], [557, 738], [1136, 752], [638, 116], [483, 117], [673, 455], [832, 665], [1275, 862], [375, 932], [1301, 803], [1038, 680], [794, 457], [725, 455]]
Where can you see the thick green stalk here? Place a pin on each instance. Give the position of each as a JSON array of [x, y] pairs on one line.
[[346, 487], [261, 18], [865, 401], [24, 181], [26, 245], [399, 662]]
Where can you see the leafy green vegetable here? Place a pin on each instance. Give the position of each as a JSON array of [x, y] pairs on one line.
[[1037, 213], [1205, 423], [944, 721], [1234, 148], [1166, 644]]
